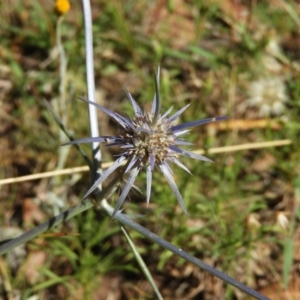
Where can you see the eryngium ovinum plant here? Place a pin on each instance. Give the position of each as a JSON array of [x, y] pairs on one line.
[[147, 140]]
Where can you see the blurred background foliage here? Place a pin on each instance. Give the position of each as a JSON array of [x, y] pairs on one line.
[[230, 57]]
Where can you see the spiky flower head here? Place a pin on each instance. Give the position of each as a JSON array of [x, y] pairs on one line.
[[148, 140]]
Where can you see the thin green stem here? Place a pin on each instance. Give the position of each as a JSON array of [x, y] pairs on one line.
[[61, 107], [142, 264]]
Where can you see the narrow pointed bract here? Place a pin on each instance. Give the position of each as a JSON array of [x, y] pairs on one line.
[[125, 190], [181, 165], [99, 139], [189, 154], [149, 183], [173, 186], [136, 108], [149, 140], [177, 114], [196, 123], [156, 102], [104, 175]]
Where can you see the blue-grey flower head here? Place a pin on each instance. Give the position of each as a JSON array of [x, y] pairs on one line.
[[148, 140]]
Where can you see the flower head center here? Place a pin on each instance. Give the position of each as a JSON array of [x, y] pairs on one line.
[[150, 139]]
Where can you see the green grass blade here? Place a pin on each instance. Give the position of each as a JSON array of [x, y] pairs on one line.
[[288, 249], [68, 134], [142, 264]]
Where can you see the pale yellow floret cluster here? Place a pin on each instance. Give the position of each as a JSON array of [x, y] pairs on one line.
[[150, 139]]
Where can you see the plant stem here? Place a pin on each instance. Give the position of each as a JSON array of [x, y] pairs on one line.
[[123, 219], [27, 236], [97, 158], [64, 216]]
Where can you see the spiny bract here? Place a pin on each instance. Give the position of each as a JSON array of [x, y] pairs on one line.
[[148, 140]]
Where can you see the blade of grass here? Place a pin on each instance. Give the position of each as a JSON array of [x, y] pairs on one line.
[[65, 130], [288, 250], [142, 264]]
